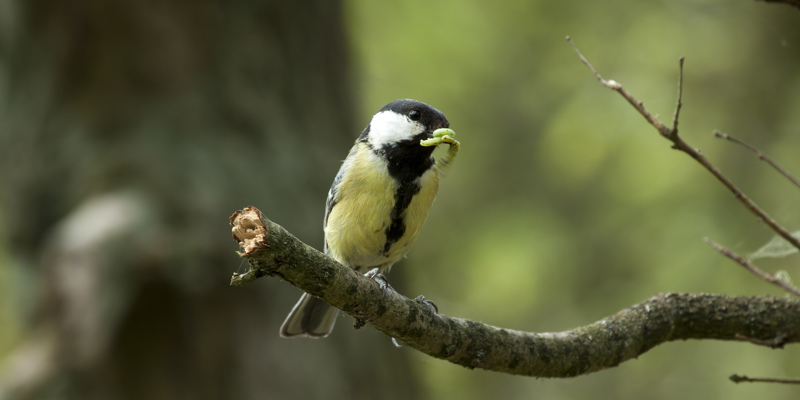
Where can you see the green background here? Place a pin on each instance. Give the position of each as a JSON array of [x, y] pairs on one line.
[[564, 205]]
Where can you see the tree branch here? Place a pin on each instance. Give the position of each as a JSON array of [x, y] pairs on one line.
[[679, 144], [744, 378], [272, 251], [761, 156], [755, 270]]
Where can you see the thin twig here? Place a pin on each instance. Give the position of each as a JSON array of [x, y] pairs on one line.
[[680, 144], [680, 98], [752, 268], [616, 86], [744, 378], [759, 154]]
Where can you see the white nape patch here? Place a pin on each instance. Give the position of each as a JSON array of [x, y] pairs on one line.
[[389, 127]]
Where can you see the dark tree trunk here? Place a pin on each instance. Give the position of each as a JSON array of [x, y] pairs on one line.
[[127, 133]]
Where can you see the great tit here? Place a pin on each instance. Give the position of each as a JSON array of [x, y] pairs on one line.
[[379, 200]]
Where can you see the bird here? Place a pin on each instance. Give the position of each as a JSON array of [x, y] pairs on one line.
[[379, 200]]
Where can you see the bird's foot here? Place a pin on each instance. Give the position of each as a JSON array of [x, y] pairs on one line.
[[431, 305], [359, 323], [376, 275]]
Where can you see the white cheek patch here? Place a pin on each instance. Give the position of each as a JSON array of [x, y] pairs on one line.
[[388, 127]]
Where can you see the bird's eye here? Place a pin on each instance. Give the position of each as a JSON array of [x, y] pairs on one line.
[[415, 115]]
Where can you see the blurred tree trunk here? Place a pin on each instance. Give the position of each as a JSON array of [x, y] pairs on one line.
[[127, 133]]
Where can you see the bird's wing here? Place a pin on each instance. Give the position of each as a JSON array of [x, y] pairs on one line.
[[333, 198]]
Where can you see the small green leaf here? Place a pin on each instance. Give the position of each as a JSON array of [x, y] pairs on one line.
[[777, 247]]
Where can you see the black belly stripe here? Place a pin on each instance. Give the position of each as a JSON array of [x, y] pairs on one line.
[[406, 161], [402, 199]]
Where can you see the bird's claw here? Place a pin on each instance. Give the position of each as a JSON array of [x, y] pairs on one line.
[[376, 275], [431, 305], [359, 323]]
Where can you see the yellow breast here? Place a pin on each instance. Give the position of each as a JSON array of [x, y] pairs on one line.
[[356, 227]]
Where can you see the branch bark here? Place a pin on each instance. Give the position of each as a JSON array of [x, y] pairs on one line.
[[272, 251]]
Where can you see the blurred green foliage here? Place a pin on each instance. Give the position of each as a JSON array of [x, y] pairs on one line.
[[565, 205]]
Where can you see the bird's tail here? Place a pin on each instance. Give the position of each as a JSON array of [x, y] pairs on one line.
[[310, 317]]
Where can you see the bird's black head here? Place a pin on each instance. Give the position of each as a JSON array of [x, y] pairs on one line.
[[404, 122], [396, 130]]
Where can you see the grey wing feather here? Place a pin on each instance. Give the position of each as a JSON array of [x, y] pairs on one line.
[[333, 198]]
